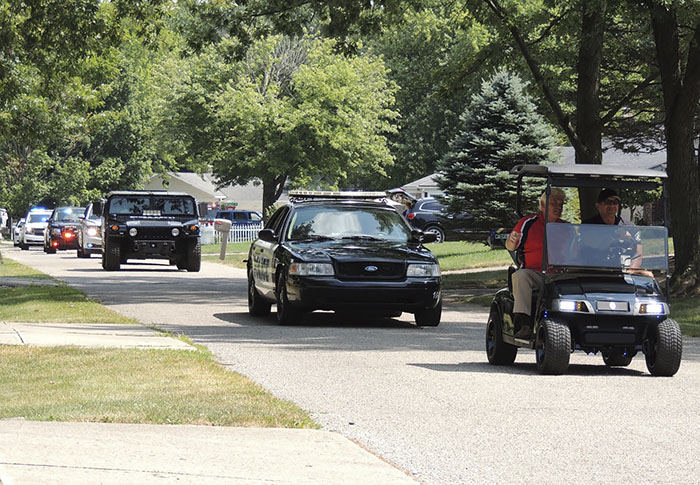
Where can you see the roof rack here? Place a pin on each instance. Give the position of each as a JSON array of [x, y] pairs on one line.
[[299, 195]]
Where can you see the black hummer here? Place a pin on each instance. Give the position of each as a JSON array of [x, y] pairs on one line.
[[150, 225]]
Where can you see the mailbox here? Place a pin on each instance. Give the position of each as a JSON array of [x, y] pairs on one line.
[[224, 227]]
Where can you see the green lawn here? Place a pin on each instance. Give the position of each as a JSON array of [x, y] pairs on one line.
[[120, 385]]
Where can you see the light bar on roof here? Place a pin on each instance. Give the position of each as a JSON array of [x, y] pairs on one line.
[[332, 194]]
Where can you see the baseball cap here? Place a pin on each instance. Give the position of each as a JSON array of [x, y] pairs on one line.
[[605, 194]]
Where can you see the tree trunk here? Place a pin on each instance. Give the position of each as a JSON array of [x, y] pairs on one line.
[[681, 92], [272, 189], [588, 120]]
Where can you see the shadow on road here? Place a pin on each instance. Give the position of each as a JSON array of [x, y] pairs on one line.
[[587, 370]]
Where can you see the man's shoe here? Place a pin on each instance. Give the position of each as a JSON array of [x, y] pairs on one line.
[[525, 332]]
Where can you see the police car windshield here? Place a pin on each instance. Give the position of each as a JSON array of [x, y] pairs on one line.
[[68, 214], [607, 246], [359, 223], [151, 206], [37, 217]]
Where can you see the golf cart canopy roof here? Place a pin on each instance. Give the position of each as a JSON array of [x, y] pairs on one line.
[[591, 175]]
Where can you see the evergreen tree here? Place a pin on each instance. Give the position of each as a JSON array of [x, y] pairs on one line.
[[501, 129]]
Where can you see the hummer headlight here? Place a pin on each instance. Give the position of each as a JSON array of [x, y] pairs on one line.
[[175, 232], [133, 232]]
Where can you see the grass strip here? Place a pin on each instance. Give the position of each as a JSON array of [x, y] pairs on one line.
[[12, 269], [465, 254], [54, 304], [135, 386]]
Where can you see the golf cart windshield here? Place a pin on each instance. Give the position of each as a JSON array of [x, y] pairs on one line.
[[607, 246]]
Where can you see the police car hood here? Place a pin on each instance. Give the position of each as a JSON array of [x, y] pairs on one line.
[[375, 251]]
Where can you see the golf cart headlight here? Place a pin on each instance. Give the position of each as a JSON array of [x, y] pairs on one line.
[[133, 232], [570, 306], [423, 270], [652, 308], [311, 269], [92, 231], [175, 232]]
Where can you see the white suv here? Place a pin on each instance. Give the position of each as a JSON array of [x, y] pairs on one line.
[[32, 233]]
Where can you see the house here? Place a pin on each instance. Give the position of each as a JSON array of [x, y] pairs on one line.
[[203, 188]]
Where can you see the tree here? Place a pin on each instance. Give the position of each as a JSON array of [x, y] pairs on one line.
[[500, 129], [292, 113], [678, 55]]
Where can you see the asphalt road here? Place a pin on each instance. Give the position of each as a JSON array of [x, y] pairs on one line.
[[424, 399]]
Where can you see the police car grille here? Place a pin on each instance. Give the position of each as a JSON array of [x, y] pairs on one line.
[[154, 233], [39, 232], [364, 270]]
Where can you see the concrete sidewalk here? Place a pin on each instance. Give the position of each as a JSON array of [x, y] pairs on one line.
[[87, 335], [48, 452], [75, 452]]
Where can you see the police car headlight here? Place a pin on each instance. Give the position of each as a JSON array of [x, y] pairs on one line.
[[175, 232], [133, 232], [56, 231], [423, 270], [92, 231], [652, 309], [29, 230], [311, 269]]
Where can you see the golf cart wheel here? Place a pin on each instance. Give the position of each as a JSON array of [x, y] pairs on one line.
[[429, 318], [256, 305], [553, 347], [615, 358], [664, 349], [497, 351]]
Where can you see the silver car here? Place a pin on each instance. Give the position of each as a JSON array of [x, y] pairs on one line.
[[16, 230], [89, 234], [32, 233]]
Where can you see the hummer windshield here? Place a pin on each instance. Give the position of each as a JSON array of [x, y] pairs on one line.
[[138, 205], [607, 246]]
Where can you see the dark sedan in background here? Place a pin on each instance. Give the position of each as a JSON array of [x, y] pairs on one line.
[[338, 252], [62, 229]]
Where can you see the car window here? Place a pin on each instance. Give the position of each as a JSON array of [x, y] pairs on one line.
[[38, 217], [174, 206], [432, 205], [68, 214], [254, 216], [140, 205], [240, 216], [347, 222], [277, 219]]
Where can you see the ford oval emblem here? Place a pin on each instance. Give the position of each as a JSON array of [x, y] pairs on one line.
[[371, 269]]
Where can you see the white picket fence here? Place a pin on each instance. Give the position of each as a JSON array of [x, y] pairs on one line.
[[237, 234]]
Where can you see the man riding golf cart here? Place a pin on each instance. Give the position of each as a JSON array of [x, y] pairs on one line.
[[594, 293]]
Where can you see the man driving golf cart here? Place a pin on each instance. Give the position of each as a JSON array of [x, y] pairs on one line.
[[591, 297]]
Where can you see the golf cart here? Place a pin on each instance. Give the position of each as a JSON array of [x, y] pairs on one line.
[[604, 287]]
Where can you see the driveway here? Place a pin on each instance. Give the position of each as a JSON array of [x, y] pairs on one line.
[[424, 399]]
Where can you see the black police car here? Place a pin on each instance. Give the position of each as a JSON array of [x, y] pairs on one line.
[[62, 229], [343, 252], [150, 225]]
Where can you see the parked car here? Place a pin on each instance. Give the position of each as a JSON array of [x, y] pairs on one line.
[[326, 252], [62, 229], [89, 233], [431, 216], [5, 223], [16, 231], [150, 225], [245, 217], [32, 232]]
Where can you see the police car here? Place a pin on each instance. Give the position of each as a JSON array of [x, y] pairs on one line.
[[345, 252]]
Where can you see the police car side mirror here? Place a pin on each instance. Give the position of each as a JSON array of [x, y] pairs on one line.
[[267, 235]]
